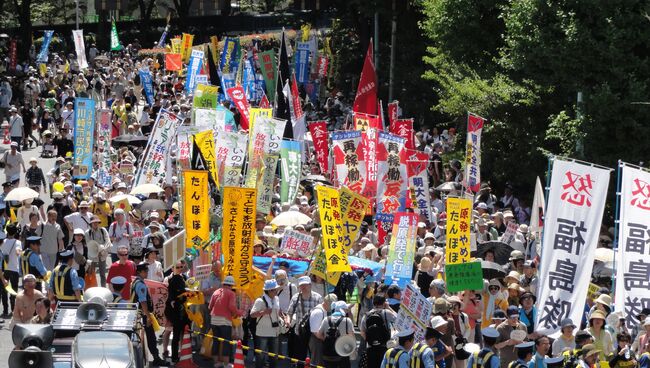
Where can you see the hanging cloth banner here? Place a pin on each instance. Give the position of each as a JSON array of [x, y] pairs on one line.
[[153, 168], [323, 63], [330, 218], [115, 39], [45, 47], [176, 46], [231, 152], [632, 282], [291, 158], [268, 67], [473, 152], [196, 60], [393, 115], [369, 141], [80, 48], [363, 122], [348, 160], [353, 209], [302, 62], [196, 206], [205, 97], [416, 166], [104, 129], [184, 146], [205, 142], [572, 225], [401, 251], [173, 62], [319, 136], [147, 84], [404, 129], [186, 46], [230, 55], [238, 98], [238, 233], [391, 174], [459, 222], [84, 137]]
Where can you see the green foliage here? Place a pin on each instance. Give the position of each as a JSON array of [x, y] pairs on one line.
[[566, 133]]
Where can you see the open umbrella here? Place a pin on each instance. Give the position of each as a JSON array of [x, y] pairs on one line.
[[316, 178], [146, 189], [133, 200], [153, 205], [501, 251], [604, 255], [21, 194], [492, 270], [291, 218], [130, 139], [448, 186]]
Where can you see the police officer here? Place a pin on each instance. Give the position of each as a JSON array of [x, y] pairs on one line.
[[572, 357], [524, 353], [31, 263], [555, 362], [118, 283], [64, 281], [422, 355], [398, 357], [140, 295], [487, 357]]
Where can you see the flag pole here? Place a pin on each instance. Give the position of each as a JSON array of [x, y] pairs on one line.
[[617, 221]]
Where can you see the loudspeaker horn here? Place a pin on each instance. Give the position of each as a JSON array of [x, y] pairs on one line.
[[31, 357], [92, 312], [345, 345]]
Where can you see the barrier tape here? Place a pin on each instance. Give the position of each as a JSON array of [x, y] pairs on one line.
[[258, 351]]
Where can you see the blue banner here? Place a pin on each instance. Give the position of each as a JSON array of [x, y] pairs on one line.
[[163, 37], [248, 80], [313, 91], [84, 136], [302, 62], [230, 118], [227, 81], [45, 46], [147, 84], [193, 68], [230, 55]]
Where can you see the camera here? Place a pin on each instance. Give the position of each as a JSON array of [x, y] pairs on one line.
[[275, 324]]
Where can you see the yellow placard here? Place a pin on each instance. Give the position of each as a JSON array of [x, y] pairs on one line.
[[336, 255], [256, 288], [353, 208], [593, 289], [255, 112], [205, 97], [459, 217], [238, 232], [176, 45], [196, 207], [186, 46], [318, 268], [205, 141]]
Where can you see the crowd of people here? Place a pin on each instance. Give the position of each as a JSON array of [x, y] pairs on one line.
[[74, 236]]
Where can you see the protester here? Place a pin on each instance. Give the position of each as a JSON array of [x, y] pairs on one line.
[[331, 329], [266, 310], [26, 301]]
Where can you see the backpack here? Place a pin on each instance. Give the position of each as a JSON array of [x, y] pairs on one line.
[[331, 335], [377, 332], [304, 325]]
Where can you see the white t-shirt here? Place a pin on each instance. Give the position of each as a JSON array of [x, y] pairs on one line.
[[79, 221], [117, 232], [316, 317], [264, 323], [285, 294], [9, 247], [155, 271]]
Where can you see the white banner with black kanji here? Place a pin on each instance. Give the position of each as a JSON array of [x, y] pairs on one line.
[[632, 261], [572, 224]]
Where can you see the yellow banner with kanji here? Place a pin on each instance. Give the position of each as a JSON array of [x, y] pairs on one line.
[[459, 217], [336, 255], [237, 234], [205, 97], [205, 141], [256, 287], [214, 49], [318, 269], [176, 45], [255, 112], [186, 46], [353, 208], [196, 207]]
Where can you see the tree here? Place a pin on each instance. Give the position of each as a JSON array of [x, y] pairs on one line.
[[146, 8], [23, 10]]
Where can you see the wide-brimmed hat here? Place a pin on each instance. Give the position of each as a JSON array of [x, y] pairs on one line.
[[527, 294], [597, 314], [229, 280], [270, 285], [604, 299]]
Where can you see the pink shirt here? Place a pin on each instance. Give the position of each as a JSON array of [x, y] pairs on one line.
[[223, 303]]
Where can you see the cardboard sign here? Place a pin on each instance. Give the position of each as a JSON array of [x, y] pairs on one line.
[[464, 276]]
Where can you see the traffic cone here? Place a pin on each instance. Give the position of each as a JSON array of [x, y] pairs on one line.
[[239, 356], [307, 362], [185, 360]]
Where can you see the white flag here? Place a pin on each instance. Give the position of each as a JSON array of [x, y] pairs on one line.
[[571, 227], [80, 48]]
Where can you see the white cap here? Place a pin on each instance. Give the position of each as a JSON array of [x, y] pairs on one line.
[[118, 280], [404, 333], [304, 280]]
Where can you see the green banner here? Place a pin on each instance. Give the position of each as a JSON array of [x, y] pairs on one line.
[[464, 276], [269, 67], [115, 40], [290, 155]]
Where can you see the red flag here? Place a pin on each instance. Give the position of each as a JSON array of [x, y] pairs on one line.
[[320, 137], [393, 108], [404, 129], [366, 99], [295, 98], [321, 66], [238, 97], [264, 102], [173, 62]]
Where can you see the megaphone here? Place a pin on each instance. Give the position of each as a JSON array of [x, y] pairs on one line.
[[31, 357], [345, 345], [465, 350], [99, 295], [91, 312], [37, 335], [93, 250]]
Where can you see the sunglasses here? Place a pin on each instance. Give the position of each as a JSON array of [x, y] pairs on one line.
[[493, 288], [178, 267], [122, 254]]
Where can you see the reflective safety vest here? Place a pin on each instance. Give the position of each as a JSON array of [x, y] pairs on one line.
[[117, 298], [134, 297], [417, 351], [516, 364], [63, 283], [482, 358], [392, 357], [27, 267]]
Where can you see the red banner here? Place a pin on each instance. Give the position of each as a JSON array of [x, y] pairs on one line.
[[369, 140], [391, 173], [348, 160], [393, 109], [320, 137], [323, 63], [364, 121], [12, 54], [264, 102], [238, 97], [295, 98], [173, 62], [404, 129], [366, 99]]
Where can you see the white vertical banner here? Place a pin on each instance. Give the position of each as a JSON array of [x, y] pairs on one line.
[[572, 224], [632, 261], [80, 48]]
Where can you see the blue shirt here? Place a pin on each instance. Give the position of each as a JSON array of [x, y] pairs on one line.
[[36, 262], [644, 361], [402, 362], [141, 291], [537, 361], [494, 361], [74, 278], [427, 357], [439, 349]]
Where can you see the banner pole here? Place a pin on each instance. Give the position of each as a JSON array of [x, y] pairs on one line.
[[617, 220], [547, 189]]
